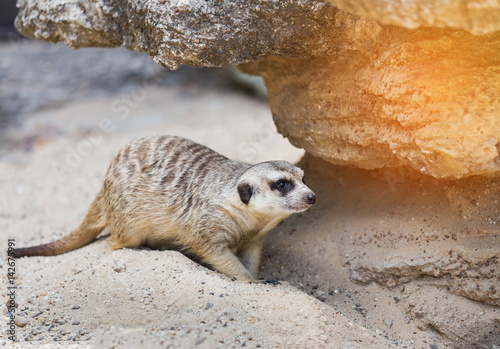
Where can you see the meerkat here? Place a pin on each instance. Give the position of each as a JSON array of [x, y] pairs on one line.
[[170, 192]]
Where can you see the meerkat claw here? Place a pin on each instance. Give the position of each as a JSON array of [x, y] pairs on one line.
[[272, 282]]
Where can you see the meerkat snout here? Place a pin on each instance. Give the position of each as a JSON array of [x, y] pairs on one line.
[[311, 198]]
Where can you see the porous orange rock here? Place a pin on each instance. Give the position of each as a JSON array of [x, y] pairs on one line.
[[426, 98], [475, 16]]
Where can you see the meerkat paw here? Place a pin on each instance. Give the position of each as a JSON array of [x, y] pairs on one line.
[[264, 282], [267, 282]]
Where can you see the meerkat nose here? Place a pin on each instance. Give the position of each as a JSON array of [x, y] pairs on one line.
[[311, 198]]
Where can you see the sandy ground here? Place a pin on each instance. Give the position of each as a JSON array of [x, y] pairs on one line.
[[53, 164], [53, 158]]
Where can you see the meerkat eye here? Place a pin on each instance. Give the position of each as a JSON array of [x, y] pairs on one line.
[[282, 185], [304, 179]]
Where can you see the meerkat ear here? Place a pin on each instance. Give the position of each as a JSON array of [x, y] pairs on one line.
[[245, 190]]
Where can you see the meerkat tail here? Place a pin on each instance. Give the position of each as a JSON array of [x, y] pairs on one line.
[[94, 223]]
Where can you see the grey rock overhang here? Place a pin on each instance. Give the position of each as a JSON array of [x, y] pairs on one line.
[[198, 33]]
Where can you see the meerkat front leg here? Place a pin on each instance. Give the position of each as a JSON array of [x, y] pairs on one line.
[[225, 261], [250, 255]]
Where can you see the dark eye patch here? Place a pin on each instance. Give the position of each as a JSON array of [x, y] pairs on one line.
[[283, 185]]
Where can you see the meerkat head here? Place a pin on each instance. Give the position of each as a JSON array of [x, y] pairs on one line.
[[275, 187]]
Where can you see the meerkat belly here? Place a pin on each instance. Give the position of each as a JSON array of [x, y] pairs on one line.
[[136, 217]]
